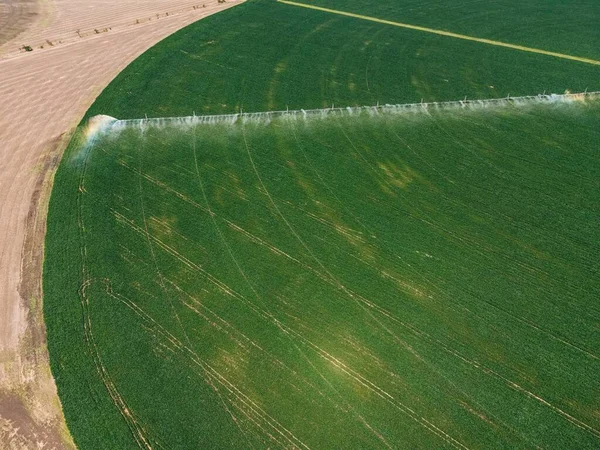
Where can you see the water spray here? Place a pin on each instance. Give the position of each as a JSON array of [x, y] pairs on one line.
[[107, 123]]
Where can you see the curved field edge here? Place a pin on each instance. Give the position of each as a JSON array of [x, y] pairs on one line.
[[169, 80], [72, 416], [35, 126]]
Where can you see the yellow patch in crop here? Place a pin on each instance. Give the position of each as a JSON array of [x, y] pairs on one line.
[[396, 176], [274, 84]]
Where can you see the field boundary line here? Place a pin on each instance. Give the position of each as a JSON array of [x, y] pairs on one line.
[[445, 33]]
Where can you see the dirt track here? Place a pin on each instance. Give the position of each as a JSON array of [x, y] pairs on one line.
[[43, 95]]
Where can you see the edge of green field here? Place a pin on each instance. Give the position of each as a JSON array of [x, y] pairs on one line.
[[258, 56]]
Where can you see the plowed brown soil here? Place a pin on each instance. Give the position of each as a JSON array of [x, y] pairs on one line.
[[43, 95]]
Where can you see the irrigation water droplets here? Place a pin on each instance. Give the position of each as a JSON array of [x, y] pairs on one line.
[[97, 126], [107, 124]]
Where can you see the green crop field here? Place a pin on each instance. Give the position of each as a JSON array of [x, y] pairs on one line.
[[265, 55], [375, 278]]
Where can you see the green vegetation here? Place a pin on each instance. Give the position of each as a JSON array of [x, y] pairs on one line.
[[417, 279], [410, 281], [263, 55], [553, 25]]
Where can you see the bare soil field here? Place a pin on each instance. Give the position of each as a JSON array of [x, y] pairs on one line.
[[64, 21], [43, 95], [16, 16]]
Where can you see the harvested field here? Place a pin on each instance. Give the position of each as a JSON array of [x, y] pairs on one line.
[[43, 95], [15, 17]]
